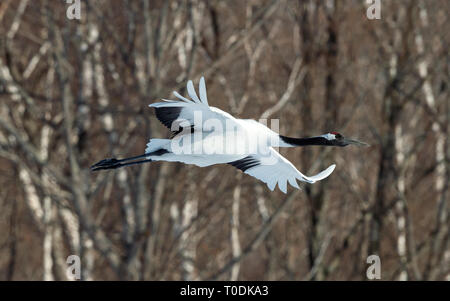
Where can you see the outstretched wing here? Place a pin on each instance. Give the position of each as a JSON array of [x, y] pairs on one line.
[[185, 112], [274, 168]]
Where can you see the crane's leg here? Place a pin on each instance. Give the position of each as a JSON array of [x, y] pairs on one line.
[[113, 163]]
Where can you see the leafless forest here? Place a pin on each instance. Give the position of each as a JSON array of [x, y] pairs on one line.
[[73, 92]]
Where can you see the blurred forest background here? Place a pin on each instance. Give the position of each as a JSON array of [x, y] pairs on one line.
[[73, 92]]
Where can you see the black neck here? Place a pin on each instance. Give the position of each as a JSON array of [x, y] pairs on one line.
[[306, 141]]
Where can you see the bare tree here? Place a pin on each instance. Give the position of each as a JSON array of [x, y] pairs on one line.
[[76, 91]]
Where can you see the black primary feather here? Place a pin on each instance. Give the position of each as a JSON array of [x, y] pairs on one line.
[[245, 163]]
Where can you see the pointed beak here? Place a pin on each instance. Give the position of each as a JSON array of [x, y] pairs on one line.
[[355, 142]]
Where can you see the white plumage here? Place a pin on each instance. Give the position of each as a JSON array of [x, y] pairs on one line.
[[266, 164], [203, 135]]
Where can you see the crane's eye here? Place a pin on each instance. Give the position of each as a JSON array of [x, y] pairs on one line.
[[337, 135]]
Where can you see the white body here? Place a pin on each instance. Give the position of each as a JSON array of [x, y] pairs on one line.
[[217, 137]]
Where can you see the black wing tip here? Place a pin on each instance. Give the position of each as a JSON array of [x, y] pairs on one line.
[[167, 115], [245, 163], [109, 163]]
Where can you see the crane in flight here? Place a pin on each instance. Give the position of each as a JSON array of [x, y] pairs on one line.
[[204, 135]]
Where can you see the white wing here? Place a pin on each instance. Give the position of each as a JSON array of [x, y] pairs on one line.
[[183, 109], [274, 168]]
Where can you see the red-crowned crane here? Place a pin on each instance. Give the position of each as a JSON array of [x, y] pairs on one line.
[[205, 135]]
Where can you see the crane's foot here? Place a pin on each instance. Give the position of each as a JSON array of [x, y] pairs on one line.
[[106, 164]]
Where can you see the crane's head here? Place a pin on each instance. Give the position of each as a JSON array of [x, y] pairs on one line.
[[335, 138]]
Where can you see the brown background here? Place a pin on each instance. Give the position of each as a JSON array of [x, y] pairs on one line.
[[73, 92]]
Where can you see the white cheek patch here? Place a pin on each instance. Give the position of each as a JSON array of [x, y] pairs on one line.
[[329, 136]]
